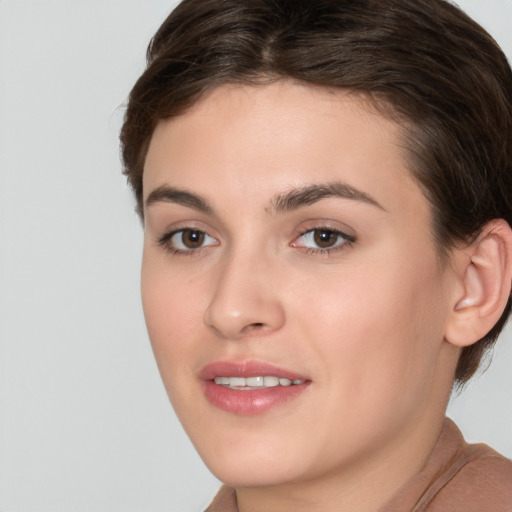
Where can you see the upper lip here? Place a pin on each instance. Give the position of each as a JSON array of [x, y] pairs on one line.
[[246, 369]]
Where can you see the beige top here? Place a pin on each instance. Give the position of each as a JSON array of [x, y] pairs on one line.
[[458, 477]]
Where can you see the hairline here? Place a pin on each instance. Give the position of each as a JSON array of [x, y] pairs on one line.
[[375, 103]]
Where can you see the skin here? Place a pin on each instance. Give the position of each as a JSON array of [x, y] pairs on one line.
[[365, 322]]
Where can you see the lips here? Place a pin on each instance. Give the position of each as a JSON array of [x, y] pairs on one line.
[[250, 387], [260, 382]]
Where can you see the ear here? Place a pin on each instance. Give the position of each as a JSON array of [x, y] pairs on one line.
[[485, 275]]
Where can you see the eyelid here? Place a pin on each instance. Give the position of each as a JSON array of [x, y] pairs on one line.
[[342, 234], [165, 240], [346, 238]]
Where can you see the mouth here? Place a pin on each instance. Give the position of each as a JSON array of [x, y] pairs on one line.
[[251, 387], [256, 383]]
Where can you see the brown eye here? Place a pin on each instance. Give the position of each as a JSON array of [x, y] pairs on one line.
[[187, 240], [192, 238], [325, 238]]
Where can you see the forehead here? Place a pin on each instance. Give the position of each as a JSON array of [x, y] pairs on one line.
[[255, 141]]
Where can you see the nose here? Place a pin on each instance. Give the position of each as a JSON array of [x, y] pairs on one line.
[[245, 300]]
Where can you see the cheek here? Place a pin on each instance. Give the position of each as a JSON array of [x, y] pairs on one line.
[[172, 316], [380, 332], [171, 312]]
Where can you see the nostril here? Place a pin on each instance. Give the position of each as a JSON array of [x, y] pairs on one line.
[[254, 327], [233, 315]]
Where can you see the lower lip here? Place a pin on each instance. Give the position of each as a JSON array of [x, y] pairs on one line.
[[251, 402]]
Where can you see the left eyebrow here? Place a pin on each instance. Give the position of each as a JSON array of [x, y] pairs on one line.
[[168, 194], [305, 196]]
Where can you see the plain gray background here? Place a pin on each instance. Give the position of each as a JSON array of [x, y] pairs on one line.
[[85, 425]]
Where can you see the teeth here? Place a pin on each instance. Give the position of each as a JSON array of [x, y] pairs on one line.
[[268, 381], [255, 381], [237, 382], [271, 382]]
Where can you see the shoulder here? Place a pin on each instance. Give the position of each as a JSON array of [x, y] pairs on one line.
[[482, 482], [224, 501]]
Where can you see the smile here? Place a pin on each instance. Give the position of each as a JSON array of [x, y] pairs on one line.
[[252, 383], [251, 387]]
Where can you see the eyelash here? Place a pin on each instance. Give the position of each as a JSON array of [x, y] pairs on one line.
[[164, 241], [347, 240]]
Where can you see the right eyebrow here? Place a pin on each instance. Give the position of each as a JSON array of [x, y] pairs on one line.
[[168, 194], [298, 198]]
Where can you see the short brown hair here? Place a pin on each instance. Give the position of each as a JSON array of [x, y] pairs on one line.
[[437, 71]]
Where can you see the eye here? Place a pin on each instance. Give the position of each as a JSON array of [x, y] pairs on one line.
[[186, 240], [323, 239]]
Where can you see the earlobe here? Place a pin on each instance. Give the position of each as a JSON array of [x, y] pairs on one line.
[[486, 276]]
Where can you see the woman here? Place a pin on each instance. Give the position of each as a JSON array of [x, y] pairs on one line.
[[325, 188]]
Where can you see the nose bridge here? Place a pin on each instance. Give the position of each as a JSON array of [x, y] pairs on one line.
[[245, 298]]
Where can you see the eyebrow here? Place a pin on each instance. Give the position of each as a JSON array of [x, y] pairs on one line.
[[297, 198], [285, 202], [169, 194]]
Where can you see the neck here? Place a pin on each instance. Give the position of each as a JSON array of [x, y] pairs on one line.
[[347, 488]]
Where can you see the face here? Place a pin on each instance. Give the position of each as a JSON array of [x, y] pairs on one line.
[[292, 291]]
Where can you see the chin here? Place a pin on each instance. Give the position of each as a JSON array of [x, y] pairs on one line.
[[253, 475], [253, 465]]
